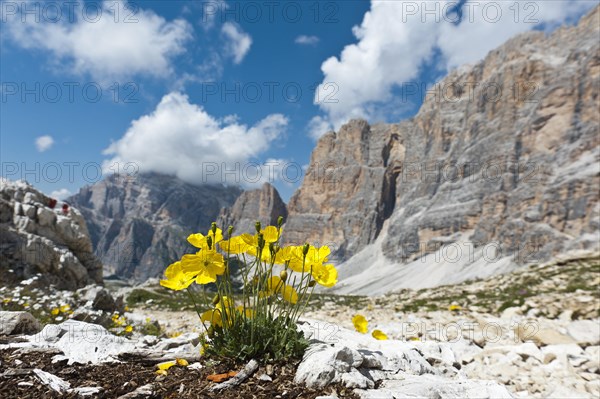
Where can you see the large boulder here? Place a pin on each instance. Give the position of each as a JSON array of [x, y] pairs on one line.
[[38, 237]]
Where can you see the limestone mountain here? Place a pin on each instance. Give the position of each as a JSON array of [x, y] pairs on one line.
[[498, 168], [264, 205], [138, 225], [37, 237]]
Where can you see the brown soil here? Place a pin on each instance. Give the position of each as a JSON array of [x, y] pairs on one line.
[[122, 378]]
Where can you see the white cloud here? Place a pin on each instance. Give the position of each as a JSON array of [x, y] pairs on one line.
[[61, 194], [318, 126], [239, 42], [118, 45], [44, 143], [308, 40], [182, 139], [396, 38]]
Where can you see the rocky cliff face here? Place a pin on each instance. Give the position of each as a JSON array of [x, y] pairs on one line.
[[139, 225], [263, 205], [503, 154], [37, 236]]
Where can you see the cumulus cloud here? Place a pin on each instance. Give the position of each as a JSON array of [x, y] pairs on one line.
[[307, 40], [397, 38], [111, 42], [318, 126], [44, 143], [180, 138], [238, 43], [61, 194]]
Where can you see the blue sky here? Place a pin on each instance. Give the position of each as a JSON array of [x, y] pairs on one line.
[[199, 88]]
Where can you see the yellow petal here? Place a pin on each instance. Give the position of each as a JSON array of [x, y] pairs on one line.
[[161, 372], [289, 294], [235, 245], [270, 234], [166, 365], [360, 323], [380, 335], [182, 362], [212, 316], [198, 240]]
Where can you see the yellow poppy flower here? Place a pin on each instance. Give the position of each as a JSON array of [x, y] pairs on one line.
[[270, 235], [65, 308], [316, 256], [176, 278], [292, 256], [325, 275], [200, 240], [235, 245], [205, 265], [213, 316], [380, 335], [248, 314], [360, 323], [55, 312], [289, 294], [129, 329]]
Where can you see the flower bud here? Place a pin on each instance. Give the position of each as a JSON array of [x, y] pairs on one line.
[[261, 240], [283, 275], [209, 242], [305, 249], [312, 283], [272, 248], [213, 227], [230, 231], [257, 226], [216, 300], [279, 221]]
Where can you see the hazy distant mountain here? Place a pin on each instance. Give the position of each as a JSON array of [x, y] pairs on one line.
[[139, 225]]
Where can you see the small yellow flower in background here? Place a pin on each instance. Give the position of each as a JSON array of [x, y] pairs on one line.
[[55, 312], [166, 365], [161, 372], [380, 335], [414, 338], [360, 323], [128, 329], [65, 308], [454, 308], [7, 300], [174, 334], [127, 308], [182, 362]]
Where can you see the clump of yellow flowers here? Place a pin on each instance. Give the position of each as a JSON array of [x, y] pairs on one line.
[[258, 320]]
